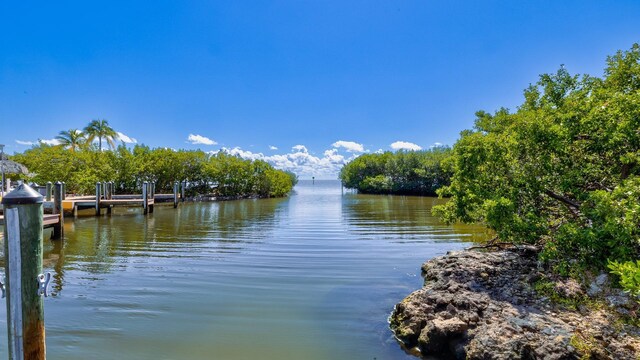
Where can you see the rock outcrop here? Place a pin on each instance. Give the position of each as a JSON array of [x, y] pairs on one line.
[[483, 305]]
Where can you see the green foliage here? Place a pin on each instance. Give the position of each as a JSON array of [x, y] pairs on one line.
[[629, 273], [585, 344], [221, 174], [547, 288], [403, 172], [562, 171]]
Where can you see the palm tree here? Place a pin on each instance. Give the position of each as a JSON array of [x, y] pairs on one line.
[[100, 129], [72, 139]]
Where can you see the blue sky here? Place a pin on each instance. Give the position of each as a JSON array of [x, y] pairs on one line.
[[306, 85]]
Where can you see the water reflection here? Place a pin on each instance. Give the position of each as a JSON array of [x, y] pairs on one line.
[[403, 219], [100, 245]]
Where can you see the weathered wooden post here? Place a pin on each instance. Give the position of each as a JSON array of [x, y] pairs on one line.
[[184, 185], [58, 229], [110, 190], [64, 190], [98, 193], [152, 196], [175, 194], [104, 190], [23, 250], [49, 188], [145, 198], [107, 195]]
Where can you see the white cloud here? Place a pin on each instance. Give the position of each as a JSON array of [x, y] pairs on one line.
[[29, 143], [271, 147], [125, 139], [350, 146], [436, 144], [242, 153], [199, 139], [299, 160], [379, 151], [299, 148], [403, 145], [333, 156], [49, 142]]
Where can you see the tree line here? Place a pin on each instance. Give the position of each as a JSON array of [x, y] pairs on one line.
[[400, 173], [78, 162]]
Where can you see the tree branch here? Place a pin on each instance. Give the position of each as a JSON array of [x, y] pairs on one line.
[[563, 199]]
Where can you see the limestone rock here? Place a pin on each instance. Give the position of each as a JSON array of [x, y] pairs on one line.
[[483, 306]]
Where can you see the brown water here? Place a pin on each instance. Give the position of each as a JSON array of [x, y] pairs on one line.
[[312, 276]]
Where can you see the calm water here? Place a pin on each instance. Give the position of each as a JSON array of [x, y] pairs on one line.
[[312, 276]]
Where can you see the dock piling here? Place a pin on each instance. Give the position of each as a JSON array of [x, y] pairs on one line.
[[49, 188], [23, 211], [145, 198], [98, 193], [184, 184], [175, 194], [58, 229], [107, 194], [151, 196]]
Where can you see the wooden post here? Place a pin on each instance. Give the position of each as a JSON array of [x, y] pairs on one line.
[[152, 196], [175, 194], [145, 198], [58, 229], [98, 193], [64, 190], [107, 195], [23, 252], [184, 185], [49, 188], [104, 190]]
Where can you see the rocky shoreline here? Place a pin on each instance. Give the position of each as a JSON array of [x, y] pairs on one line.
[[498, 305]]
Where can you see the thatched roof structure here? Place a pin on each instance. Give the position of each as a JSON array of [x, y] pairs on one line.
[[12, 167]]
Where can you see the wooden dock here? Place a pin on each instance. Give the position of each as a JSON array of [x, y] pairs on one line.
[[71, 205], [57, 203], [48, 220], [105, 199]]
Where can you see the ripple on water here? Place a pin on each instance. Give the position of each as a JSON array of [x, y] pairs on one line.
[[311, 276]]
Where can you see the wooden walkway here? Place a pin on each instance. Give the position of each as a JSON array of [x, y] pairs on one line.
[[71, 205], [48, 220], [54, 211]]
